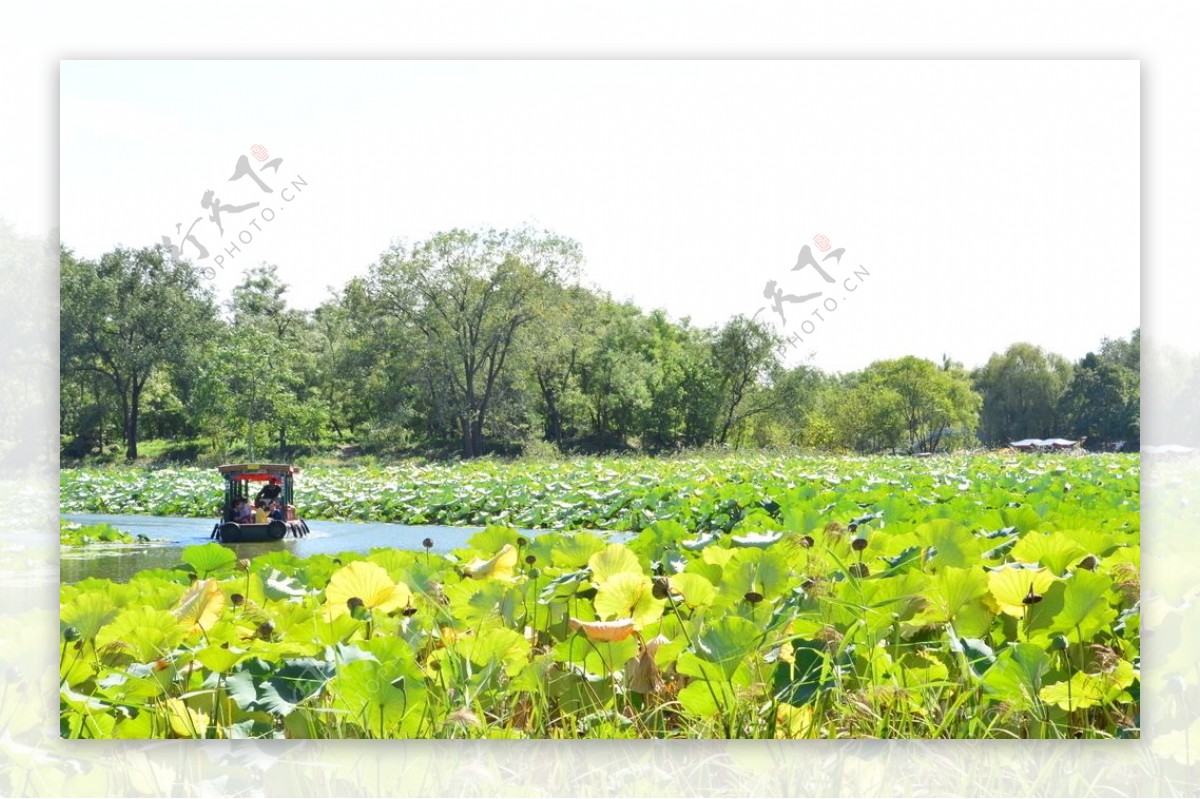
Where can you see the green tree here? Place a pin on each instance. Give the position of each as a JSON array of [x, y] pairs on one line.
[[744, 357], [560, 341], [865, 414], [1021, 390], [126, 316], [281, 380], [1102, 402], [468, 294], [349, 362], [932, 402], [683, 384], [615, 377], [1122, 352], [795, 414], [259, 301], [237, 398]]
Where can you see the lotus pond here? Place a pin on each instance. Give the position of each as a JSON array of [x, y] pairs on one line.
[[756, 597]]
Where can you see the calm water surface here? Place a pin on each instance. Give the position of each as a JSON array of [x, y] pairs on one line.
[[120, 562]]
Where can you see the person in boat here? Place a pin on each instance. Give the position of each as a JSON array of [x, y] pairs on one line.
[[270, 492], [242, 512], [275, 510], [260, 512]]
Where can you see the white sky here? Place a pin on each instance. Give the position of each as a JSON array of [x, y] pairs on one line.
[[990, 201]]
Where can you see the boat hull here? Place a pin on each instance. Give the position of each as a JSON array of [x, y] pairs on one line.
[[274, 530]]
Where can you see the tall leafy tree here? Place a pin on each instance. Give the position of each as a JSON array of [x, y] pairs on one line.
[[277, 351], [126, 316], [865, 414], [1102, 402], [560, 341], [744, 355], [932, 401], [795, 413], [1123, 352], [681, 384], [346, 355], [1021, 389], [468, 294], [615, 379]]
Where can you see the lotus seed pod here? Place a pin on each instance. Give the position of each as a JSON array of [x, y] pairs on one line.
[[661, 588], [535, 573], [71, 634], [860, 570], [522, 542], [531, 559], [1088, 563], [859, 544], [427, 543], [806, 541], [853, 527], [753, 597], [236, 599], [354, 603], [1032, 598], [1059, 643], [409, 611]]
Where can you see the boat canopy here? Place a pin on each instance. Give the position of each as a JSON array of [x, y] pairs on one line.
[[257, 472]]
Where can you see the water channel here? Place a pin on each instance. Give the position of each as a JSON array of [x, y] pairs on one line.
[[170, 535]]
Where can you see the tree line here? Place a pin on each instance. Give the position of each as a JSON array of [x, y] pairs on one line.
[[481, 341]]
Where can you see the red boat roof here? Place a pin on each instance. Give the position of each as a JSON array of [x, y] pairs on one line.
[[257, 471]]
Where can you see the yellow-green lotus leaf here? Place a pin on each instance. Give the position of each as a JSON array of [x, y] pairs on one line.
[[695, 589], [1010, 587], [88, 612], [201, 606], [1085, 690], [506, 647], [502, 566], [716, 555], [216, 658], [368, 582], [793, 722], [953, 593], [1056, 551], [145, 633], [613, 559], [185, 721], [628, 595]]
